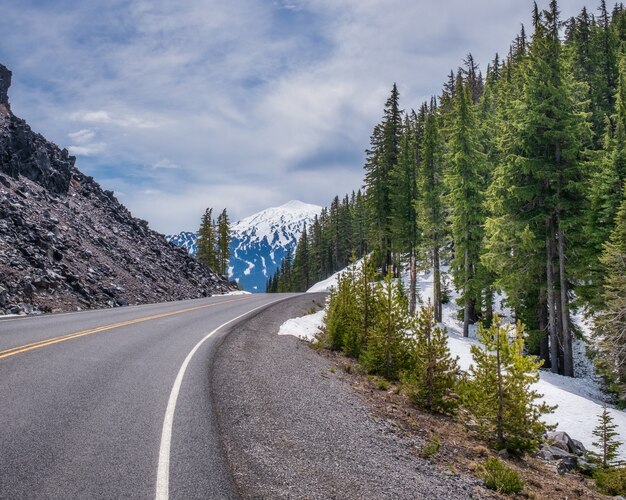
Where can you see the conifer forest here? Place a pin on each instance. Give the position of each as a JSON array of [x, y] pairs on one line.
[[512, 180]]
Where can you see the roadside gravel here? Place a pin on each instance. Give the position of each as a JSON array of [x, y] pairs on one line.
[[294, 429]]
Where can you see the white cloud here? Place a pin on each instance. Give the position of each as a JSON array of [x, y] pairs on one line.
[[260, 101], [165, 163], [87, 149], [82, 136]]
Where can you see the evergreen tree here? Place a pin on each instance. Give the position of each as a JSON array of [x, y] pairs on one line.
[[341, 312], [385, 353], [223, 242], [381, 157], [611, 321], [207, 241], [432, 373], [465, 183], [498, 393], [537, 193], [301, 263], [404, 194], [429, 206], [606, 432]]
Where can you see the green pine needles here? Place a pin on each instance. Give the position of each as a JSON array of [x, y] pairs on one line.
[[606, 434], [498, 393], [431, 378]]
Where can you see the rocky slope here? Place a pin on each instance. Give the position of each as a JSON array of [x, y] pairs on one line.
[[260, 242], [66, 244]]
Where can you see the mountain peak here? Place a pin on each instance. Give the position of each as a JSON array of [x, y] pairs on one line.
[[296, 205]]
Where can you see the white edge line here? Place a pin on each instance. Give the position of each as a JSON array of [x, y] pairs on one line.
[[163, 470]]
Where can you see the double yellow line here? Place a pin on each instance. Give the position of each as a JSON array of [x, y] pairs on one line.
[[62, 338]]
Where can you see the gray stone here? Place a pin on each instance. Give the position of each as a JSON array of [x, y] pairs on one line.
[[567, 464]]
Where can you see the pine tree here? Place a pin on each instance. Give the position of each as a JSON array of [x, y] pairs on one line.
[[381, 157], [207, 241], [498, 393], [538, 192], [465, 184], [431, 216], [404, 195], [342, 316], [611, 321], [606, 432], [301, 263], [223, 242], [432, 373], [385, 353]]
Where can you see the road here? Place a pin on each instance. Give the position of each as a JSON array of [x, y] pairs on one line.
[[115, 403]]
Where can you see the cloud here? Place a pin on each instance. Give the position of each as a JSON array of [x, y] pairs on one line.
[[104, 117], [165, 163], [260, 101], [82, 136], [87, 149]]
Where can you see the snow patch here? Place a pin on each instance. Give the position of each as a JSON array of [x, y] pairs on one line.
[[306, 327]]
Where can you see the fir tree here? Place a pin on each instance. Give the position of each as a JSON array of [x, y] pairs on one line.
[[223, 243], [207, 241], [498, 393], [385, 353], [465, 183], [611, 321], [429, 206], [606, 432], [431, 377], [381, 157], [404, 194]]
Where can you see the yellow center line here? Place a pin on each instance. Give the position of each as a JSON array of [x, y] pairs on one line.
[[62, 338]]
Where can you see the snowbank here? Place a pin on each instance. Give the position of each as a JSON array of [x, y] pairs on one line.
[[328, 283], [306, 327]]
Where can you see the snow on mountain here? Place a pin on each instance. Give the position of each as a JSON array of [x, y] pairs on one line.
[[186, 240], [259, 242]]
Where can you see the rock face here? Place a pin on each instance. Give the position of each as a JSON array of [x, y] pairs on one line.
[[66, 244]]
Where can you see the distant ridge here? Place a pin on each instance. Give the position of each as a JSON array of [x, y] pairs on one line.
[[260, 241]]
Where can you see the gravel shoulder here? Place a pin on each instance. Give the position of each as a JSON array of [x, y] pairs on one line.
[[294, 429]]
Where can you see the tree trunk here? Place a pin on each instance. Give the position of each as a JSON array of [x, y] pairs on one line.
[[568, 356], [500, 417], [468, 305], [552, 331], [412, 282], [488, 306], [544, 343], [436, 284]]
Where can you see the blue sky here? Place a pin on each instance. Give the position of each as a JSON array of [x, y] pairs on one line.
[[245, 104]]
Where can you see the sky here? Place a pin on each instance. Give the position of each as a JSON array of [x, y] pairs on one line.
[[241, 104]]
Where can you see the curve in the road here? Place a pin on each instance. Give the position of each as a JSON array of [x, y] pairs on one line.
[[62, 338], [163, 470]]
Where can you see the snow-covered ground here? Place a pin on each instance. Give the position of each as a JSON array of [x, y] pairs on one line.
[[579, 399], [306, 327], [238, 292]]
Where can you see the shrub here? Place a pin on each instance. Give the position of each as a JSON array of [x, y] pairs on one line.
[[431, 448], [499, 477], [611, 481]]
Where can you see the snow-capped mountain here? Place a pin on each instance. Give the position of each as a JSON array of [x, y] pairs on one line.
[[186, 240], [259, 242]]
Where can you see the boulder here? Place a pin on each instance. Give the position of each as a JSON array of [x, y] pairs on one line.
[[567, 464], [548, 452], [563, 441]]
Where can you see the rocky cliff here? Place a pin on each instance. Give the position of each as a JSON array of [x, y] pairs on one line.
[[66, 244]]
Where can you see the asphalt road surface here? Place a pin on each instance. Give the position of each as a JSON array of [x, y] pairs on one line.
[[116, 403]]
